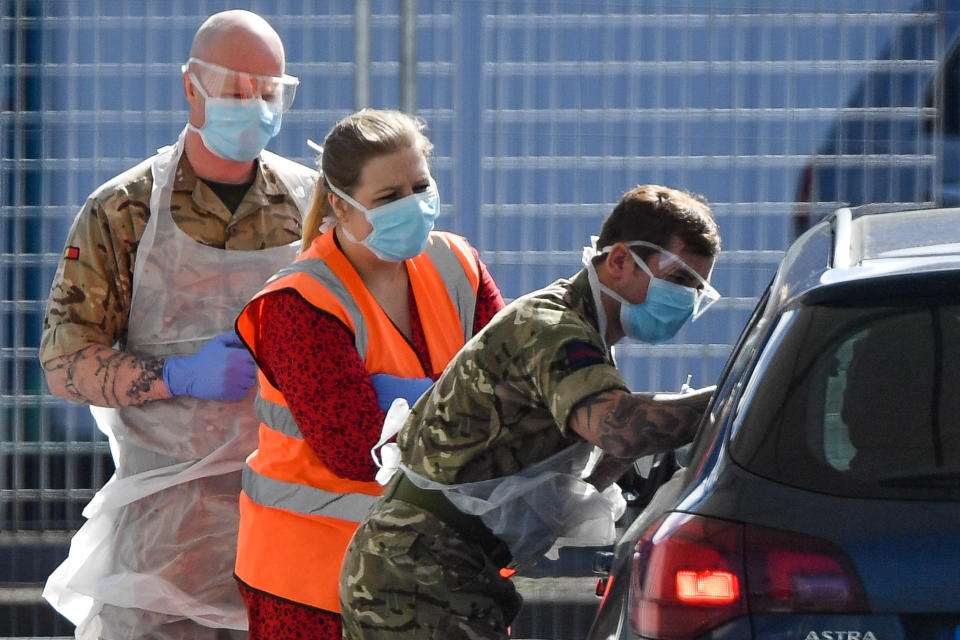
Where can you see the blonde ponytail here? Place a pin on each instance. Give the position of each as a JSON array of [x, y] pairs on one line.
[[318, 211]]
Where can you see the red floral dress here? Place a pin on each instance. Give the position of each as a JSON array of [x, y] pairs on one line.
[[312, 359]]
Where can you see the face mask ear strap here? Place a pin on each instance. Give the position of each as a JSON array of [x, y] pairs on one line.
[[641, 263], [344, 196], [195, 81]]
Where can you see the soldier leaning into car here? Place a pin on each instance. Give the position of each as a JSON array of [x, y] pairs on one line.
[[491, 458]]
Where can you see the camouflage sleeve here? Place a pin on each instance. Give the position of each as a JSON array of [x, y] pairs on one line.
[[571, 368], [90, 296]]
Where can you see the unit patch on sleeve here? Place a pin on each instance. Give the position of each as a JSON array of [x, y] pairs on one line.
[[583, 354], [72, 253]]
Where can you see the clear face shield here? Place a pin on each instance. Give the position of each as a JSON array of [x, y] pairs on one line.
[[674, 269], [220, 82]]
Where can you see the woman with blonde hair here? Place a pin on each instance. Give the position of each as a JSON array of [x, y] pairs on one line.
[[372, 310]]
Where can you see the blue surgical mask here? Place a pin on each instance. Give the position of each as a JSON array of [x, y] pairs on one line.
[[235, 129], [666, 309], [400, 228]]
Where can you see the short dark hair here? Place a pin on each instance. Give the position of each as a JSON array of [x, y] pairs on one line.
[[658, 214]]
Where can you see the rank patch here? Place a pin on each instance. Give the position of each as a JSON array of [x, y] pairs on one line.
[[583, 354]]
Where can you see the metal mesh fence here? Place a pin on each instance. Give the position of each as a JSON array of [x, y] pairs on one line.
[[543, 113]]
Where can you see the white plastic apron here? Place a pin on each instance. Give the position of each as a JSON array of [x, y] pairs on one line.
[[159, 544], [534, 511]]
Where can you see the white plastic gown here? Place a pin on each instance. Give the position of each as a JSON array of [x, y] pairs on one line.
[[156, 554], [534, 511]]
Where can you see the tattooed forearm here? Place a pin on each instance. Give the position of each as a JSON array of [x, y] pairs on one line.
[[628, 425], [144, 383], [105, 377]]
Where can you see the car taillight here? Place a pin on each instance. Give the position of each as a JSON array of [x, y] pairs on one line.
[[797, 573], [687, 577], [691, 574], [707, 587]]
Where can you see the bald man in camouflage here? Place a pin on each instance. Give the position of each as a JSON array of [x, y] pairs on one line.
[[139, 325], [495, 459]]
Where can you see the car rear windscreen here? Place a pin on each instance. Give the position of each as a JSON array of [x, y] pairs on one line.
[[858, 402]]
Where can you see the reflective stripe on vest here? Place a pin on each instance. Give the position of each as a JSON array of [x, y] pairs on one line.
[[461, 287], [292, 496], [304, 499], [320, 270], [276, 417]]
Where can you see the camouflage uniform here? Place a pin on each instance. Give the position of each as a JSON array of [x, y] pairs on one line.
[[90, 303], [499, 407], [90, 297]]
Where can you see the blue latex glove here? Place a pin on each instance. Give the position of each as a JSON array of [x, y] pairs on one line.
[[222, 369], [389, 388]]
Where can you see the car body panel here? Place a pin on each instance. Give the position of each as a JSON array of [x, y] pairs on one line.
[[829, 627], [888, 540]]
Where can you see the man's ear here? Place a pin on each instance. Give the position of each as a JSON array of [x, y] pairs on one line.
[[619, 261], [188, 88]]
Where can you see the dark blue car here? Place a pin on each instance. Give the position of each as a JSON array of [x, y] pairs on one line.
[[820, 499]]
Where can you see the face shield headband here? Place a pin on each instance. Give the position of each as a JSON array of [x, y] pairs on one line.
[[220, 82]]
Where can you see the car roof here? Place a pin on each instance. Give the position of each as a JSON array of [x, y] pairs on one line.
[[864, 244]]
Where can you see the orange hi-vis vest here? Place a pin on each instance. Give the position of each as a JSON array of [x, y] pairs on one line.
[[296, 515]]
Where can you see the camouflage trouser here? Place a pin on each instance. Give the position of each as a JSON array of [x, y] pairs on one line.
[[408, 575]]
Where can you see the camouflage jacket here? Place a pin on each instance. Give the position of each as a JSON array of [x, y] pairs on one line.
[[90, 297], [502, 403]]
